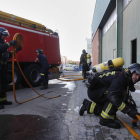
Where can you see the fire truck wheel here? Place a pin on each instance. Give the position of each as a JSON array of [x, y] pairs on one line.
[[31, 72], [17, 77]]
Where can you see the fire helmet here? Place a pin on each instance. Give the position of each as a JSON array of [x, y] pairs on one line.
[[84, 51], [135, 67], [40, 51], [4, 31]]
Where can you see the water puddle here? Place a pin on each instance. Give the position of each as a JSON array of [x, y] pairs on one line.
[[64, 104], [69, 85], [76, 109], [31, 127]]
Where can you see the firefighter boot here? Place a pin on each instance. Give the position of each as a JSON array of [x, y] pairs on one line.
[[109, 123], [5, 103], [85, 107], [44, 87], [1, 107], [84, 80]]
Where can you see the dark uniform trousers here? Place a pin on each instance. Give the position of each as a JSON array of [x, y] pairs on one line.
[[101, 105], [84, 69], [83, 60], [44, 76], [3, 82]]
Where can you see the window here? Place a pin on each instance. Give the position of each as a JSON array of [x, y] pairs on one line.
[[134, 51], [110, 21]]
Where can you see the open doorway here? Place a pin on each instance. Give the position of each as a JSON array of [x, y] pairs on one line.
[[134, 51]]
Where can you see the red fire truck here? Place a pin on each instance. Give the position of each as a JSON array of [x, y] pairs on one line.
[[35, 36]]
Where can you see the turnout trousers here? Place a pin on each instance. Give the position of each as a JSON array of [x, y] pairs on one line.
[[101, 104], [44, 76], [84, 69], [3, 82]]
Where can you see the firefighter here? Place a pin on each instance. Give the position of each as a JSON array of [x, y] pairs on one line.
[[45, 67], [4, 57], [83, 62], [112, 95]]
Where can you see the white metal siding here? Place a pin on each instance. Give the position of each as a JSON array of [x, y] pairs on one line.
[[131, 30], [109, 44]]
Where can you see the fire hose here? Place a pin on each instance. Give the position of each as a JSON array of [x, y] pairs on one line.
[[68, 78], [19, 38], [128, 127]]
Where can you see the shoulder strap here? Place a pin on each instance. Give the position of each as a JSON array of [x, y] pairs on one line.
[[127, 74]]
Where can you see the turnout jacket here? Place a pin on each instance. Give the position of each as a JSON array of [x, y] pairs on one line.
[[83, 58], [4, 52], [116, 81], [43, 60]]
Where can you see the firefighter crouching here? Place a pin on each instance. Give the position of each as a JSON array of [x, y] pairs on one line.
[[109, 93], [4, 57], [45, 67], [83, 61]]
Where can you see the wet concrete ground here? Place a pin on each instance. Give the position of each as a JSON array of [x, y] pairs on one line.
[[38, 119], [58, 118], [29, 127]]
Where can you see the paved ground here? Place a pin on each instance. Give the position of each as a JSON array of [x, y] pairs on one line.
[[87, 127], [58, 119], [38, 119]]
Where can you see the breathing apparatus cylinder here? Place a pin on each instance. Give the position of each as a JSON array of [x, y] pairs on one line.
[[118, 62], [88, 58]]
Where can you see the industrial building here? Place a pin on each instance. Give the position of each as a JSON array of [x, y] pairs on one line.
[[116, 31]]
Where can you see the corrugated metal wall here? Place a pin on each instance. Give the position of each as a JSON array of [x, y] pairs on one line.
[[131, 30], [109, 44], [99, 11]]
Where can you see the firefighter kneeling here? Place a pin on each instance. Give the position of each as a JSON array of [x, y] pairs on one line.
[[108, 92]]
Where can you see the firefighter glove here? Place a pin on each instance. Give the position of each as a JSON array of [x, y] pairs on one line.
[[13, 42], [132, 113], [19, 49]]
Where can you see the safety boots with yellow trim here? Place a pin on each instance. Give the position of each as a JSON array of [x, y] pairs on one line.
[[44, 87], [85, 107], [109, 123]]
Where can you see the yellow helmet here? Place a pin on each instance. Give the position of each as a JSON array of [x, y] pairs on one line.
[[88, 56]]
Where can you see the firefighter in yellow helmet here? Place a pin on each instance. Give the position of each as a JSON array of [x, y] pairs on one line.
[[83, 62], [109, 92]]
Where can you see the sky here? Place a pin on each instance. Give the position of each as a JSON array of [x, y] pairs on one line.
[[72, 19]]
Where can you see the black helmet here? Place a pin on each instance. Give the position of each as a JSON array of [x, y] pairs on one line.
[[135, 67], [84, 51], [40, 51], [4, 31]]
